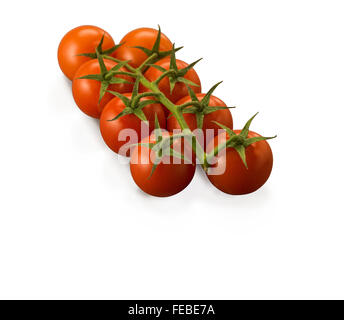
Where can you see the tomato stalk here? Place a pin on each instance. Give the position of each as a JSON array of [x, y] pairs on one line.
[[128, 66], [150, 59], [176, 111]]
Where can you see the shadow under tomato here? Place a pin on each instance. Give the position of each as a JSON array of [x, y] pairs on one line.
[[219, 200]]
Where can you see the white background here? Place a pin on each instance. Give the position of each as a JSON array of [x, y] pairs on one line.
[[74, 225]]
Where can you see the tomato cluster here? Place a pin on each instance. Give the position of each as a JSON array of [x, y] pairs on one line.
[[151, 108]]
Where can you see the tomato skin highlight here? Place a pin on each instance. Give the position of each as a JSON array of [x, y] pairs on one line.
[[168, 179], [143, 37], [83, 39], [110, 130], [236, 179], [180, 90], [86, 92], [223, 116]]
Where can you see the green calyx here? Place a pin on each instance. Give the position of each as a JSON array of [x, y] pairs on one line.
[[173, 73], [134, 105], [162, 147], [108, 77], [93, 55], [155, 51], [237, 141], [201, 107]]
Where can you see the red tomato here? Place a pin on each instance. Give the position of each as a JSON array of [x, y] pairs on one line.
[[180, 90], [83, 39], [222, 116], [86, 92], [111, 130], [143, 37], [168, 178], [235, 177]]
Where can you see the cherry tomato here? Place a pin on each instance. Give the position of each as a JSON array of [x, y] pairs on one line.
[[171, 176], [222, 116], [180, 90], [86, 92], [111, 130], [83, 39], [143, 37], [235, 177]]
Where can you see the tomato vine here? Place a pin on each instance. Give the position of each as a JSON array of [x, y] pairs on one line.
[[125, 72]]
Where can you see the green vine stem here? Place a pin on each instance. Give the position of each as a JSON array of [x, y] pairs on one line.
[[174, 109], [177, 113]]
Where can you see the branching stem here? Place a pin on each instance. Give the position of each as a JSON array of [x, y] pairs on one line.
[[176, 110], [177, 113]]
